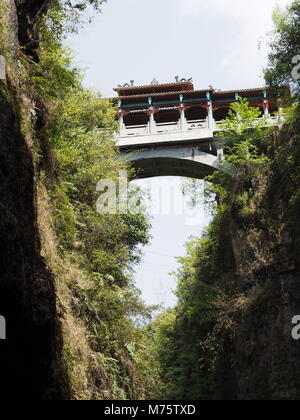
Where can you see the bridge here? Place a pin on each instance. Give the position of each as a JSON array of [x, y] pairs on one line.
[[170, 129]]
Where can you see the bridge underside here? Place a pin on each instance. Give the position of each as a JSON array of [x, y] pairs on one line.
[[188, 161], [150, 168]]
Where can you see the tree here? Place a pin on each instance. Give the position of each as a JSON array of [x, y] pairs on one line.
[[285, 53]]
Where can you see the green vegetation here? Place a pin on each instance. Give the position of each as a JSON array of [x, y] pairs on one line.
[[197, 337], [92, 256], [255, 202], [187, 352], [111, 349], [284, 47]]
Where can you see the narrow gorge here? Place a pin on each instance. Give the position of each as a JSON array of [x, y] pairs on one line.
[[76, 327]]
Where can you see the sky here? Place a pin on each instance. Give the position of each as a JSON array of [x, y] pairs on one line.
[[219, 43]]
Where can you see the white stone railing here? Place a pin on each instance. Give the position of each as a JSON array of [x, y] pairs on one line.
[[161, 128], [196, 124], [167, 127], [218, 124], [135, 130], [186, 126], [269, 120], [277, 120]]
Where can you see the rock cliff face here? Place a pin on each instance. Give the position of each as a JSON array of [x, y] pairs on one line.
[[267, 363], [27, 296], [265, 359], [266, 248], [29, 13]]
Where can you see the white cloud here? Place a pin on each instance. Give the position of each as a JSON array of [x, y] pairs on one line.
[[246, 24]]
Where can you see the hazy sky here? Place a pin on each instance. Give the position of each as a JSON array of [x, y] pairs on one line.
[[217, 42]]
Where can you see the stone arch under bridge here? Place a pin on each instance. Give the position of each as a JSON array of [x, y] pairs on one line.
[[195, 160]]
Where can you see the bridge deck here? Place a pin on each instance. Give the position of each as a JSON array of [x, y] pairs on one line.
[[167, 133], [171, 149]]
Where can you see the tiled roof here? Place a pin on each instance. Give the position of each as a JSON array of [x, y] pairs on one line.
[[215, 93], [176, 92], [260, 89], [162, 85]]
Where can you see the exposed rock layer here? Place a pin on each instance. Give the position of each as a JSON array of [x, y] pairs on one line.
[[27, 295]]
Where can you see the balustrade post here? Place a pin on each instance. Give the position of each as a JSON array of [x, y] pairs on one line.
[[280, 111], [210, 115], [266, 107], [121, 121], [151, 124], [183, 122], [220, 153]]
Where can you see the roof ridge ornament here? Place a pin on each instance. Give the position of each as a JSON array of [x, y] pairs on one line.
[[154, 82], [127, 85], [183, 80]]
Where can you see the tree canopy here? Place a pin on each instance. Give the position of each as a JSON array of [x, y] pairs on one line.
[[285, 52]]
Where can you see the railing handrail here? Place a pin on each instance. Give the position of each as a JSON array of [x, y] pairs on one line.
[[135, 126], [168, 123], [196, 121]]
